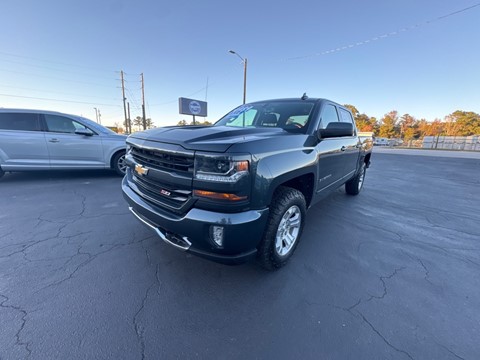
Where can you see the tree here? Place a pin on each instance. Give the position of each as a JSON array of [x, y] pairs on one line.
[[185, 123], [149, 123], [138, 121], [365, 123], [462, 123], [388, 127], [362, 121], [408, 127], [353, 109], [120, 129]]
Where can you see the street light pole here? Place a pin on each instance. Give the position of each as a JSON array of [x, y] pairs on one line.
[[96, 114], [244, 61]]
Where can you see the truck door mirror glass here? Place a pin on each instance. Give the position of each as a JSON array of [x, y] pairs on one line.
[[336, 129]]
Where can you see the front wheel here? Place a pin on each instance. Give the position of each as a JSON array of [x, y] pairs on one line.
[[284, 228], [119, 164], [355, 185]]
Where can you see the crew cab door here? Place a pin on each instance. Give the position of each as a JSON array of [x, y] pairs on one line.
[[330, 153], [351, 144], [70, 150]]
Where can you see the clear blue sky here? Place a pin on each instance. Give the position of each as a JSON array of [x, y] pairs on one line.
[[73, 50]]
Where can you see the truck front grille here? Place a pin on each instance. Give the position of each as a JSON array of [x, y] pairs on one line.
[[165, 161], [173, 195]]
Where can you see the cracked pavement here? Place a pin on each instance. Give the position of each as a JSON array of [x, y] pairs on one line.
[[391, 274]]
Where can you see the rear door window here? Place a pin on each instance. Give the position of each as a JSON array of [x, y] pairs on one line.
[[329, 115], [346, 117], [19, 121], [62, 124]]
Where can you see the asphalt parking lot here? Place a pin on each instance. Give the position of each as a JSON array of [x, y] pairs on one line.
[[393, 273]]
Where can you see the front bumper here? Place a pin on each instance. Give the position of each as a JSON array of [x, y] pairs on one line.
[[191, 232]]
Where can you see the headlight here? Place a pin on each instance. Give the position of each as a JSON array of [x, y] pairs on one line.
[[220, 168]]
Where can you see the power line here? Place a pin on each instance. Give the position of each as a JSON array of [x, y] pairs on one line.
[[53, 62], [383, 36], [53, 77], [56, 69], [134, 100], [59, 100], [57, 92], [210, 84]]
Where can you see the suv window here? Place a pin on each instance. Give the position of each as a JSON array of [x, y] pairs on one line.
[[19, 121], [62, 124], [329, 115]]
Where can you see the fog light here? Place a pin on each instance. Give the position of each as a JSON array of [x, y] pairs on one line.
[[217, 235]]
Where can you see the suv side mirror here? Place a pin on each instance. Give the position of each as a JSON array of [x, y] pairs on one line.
[[84, 132], [336, 129]]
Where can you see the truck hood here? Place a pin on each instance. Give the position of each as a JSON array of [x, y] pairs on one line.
[[208, 138]]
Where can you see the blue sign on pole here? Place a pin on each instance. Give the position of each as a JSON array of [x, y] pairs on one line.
[[192, 107]]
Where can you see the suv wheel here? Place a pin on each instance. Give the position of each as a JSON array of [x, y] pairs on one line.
[[355, 185], [1, 173], [119, 164], [284, 228]]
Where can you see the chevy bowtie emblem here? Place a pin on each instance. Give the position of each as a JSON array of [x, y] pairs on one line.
[[140, 170]]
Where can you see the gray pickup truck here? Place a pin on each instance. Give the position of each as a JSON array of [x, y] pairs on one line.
[[240, 189]]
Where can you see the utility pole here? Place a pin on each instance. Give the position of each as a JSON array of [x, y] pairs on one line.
[[244, 61], [129, 123], [99, 117], [143, 104], [96, 114], [245, 80], [124, 106]]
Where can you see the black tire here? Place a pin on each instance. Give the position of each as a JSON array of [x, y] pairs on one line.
[[287, 204], [1, 173], [118, 163], [355, 185]]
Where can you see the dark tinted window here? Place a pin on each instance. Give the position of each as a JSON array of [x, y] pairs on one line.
[[62, 124], [329, 115], [19, 121]]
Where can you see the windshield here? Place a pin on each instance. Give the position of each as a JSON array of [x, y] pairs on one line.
[[288, 115], [97, 127]]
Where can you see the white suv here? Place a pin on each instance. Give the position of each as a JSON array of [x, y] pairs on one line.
[[42, 140]]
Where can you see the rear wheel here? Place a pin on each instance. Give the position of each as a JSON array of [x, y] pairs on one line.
[[119, 164], [284, 228], [355, 185]]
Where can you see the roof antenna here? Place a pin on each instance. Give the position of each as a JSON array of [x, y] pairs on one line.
[[304, 96]]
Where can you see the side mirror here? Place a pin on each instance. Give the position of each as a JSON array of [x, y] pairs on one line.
[[336, 129], [84, 132]]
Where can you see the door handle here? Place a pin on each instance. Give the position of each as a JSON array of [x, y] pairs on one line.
[[343, 148], [54, 140]]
